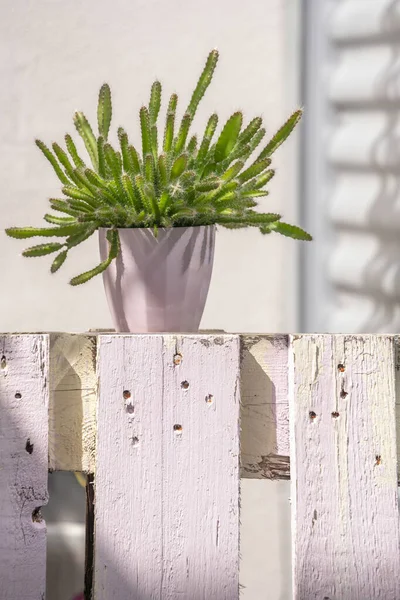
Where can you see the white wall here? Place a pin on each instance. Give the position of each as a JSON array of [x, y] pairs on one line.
[[55, 54]]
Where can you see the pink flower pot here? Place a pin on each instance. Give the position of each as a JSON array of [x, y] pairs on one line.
[[159, 284]]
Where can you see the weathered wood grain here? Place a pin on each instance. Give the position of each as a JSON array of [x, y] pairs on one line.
[[73, 398], [168, 465], [343, 443], [23, 465], [265, 407]]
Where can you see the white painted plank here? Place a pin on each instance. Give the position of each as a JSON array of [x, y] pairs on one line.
[[265, 407], [73, 398], [168, 465], [345, 506], [23, 465]]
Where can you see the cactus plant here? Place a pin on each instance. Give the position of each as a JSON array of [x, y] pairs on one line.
[[175, 181]]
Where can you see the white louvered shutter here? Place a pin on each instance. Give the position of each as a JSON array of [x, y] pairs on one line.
[[352, 165]]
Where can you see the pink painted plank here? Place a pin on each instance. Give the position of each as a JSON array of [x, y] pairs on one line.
[[168, 465], [23, 465], [344, 481]]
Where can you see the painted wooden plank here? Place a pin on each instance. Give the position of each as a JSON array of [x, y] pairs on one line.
[[168, 465], [265, 407], [73, 398], [23, 465], [345, 505]]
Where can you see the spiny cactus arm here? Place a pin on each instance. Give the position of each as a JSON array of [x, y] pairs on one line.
[[164, 202], [85, 131], [255, 169], [135, 160], [81, 236], [255, 219], [63, 206], [282, 134], [58, 261], [149, 169], [81, 206], [291, 231], [145, 130], [65, 162], [101, 187], [101, 158], [42, 249], [53, 161], [261, 180], [182, 134], [192, 145], [208, 185], [126, 155], [22, 233], [79, 194], [187, 180], [228, 137], [170, 123], [203, 82], [249, 132], [115, 163], [206, 141], [178, 166], [54, 220], [134, 197], [113, 238], [155, 102], [104, 111], [154, 141], [140, 184], [79, 163], [254, 142], [162, 170], [254, 194], [233, 171]]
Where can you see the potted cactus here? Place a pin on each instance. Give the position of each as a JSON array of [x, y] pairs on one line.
[[156, 210]]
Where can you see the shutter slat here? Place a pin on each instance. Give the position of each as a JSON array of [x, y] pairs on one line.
[[366, 77], [366, 21], [366, 263], [369, 140]]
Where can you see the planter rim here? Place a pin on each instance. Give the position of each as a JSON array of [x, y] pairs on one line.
[[160, 228]]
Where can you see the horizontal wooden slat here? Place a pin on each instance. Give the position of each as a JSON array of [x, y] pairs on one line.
[[264, 389], [265, 425], [368, 21]]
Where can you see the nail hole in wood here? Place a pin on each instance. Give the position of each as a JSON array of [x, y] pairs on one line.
[[135, 441], [3, 362], [343, 394], [177, 359], [341, 368], [178, 429], [37, 515], [29, 446], [18, 396], [335, 414], [185, 385], [126, 394], [209, 399], [312, 415], [378, 459]]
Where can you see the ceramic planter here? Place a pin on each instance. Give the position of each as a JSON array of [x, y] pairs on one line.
[[159, 284]]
